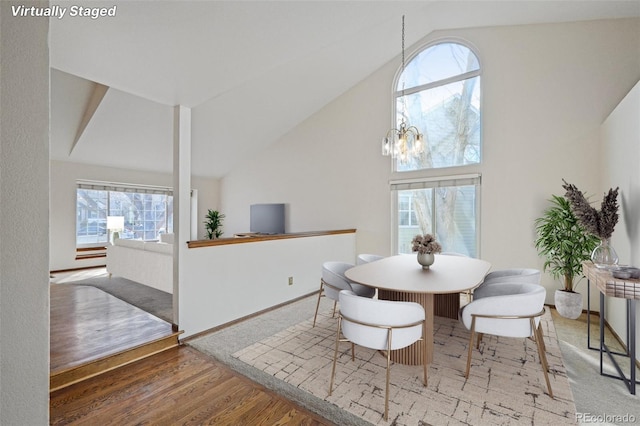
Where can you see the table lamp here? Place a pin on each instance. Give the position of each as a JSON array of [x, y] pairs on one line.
[[114, 225]]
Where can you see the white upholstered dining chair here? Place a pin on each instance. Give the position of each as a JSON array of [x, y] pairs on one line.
[[491, 284], [515, 312], [333, 280], [367, 258], [381, 325]]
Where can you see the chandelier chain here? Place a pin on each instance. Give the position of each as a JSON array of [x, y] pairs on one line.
[[403, 63], [407, 141]]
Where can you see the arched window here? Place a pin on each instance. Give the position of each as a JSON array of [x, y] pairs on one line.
[[439, 93]]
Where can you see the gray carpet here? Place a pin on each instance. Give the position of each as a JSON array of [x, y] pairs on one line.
[[225, 345], [600, 398], [149, 299]]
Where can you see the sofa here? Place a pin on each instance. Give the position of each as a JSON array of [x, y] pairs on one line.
[[145, 262]]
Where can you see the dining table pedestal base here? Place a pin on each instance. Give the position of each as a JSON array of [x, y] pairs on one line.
[[413, 354], [447, 305]]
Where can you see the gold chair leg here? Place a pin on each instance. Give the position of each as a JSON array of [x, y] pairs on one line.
[[541, 342], [542, 355], [473, 332], [424, 351], [335, 356], [335, 303], [318, 304], [353, 351], [479, 340], [386, 392]]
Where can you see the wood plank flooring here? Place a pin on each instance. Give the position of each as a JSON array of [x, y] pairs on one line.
[[93, 332], [87, 324], [177, 386]]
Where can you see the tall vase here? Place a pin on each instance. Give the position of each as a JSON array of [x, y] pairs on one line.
[[426, 259], [604, 255]]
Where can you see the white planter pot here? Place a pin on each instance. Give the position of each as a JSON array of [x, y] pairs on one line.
[[568, 304]]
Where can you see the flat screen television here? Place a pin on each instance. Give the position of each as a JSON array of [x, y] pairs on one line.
[[267, 218]]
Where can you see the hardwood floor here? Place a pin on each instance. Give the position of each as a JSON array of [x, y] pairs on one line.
[[177, 386], [102, 323], [92, 332], [149, 379]]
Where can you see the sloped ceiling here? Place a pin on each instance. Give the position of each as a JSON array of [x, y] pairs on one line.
[[250, 70]]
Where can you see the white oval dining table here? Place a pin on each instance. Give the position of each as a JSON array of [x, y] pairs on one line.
[[401, 278]]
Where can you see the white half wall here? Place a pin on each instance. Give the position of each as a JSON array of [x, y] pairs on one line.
[[24, 202], [546, 91], [63, 204], [219, 284], [620, 150]]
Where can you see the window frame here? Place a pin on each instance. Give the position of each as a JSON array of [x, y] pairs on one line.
[[397, 93], [398, 185], [117, 187], [440, 175]]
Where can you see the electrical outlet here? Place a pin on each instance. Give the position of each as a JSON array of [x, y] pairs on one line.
[[290, 280]]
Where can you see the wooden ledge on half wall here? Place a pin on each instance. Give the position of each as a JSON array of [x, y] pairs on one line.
[[252, 238]]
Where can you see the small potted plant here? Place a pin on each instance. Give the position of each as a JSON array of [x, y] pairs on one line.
[[426, 246], [565, 244], [213, 224]]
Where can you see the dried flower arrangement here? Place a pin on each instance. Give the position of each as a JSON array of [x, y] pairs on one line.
[[425, 244], [599, 223]]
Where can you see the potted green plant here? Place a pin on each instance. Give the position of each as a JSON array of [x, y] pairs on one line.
[[213, 224], [565, 244]]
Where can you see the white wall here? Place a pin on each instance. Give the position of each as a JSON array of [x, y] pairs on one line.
[[24, 198], [546, 90], [620, 150], [63, 204], [208, 198]]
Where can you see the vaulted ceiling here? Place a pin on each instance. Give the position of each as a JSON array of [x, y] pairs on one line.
[[250, 70]]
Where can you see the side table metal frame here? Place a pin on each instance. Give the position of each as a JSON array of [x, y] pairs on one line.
[[631, 381], [595, 348]]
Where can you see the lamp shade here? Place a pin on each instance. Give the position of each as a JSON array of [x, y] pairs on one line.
[[115, 222]]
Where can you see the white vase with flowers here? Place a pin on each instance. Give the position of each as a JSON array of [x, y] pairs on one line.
[[426, 246]]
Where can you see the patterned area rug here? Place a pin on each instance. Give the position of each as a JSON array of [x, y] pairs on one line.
[[506, 385]]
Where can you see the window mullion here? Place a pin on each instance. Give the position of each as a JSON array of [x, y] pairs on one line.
[[433, 84]]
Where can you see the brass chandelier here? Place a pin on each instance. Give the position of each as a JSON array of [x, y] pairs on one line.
[[407, 141]]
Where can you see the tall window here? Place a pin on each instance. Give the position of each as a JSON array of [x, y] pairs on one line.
[[147, 211], [439, 93], [445, 207], [441, 88]]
